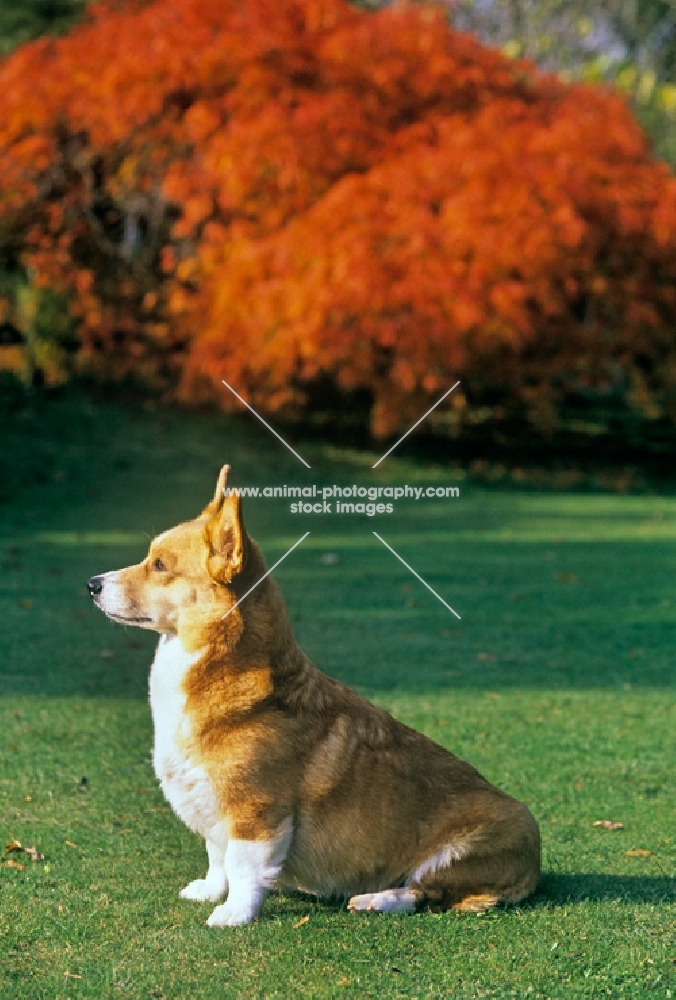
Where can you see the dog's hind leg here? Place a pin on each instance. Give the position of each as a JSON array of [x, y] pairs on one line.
[[474, 885], [215, 885], [399, 900], [499, 865]]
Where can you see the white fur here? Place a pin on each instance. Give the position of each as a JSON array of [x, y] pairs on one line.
[[111, 600], [215, 885], [442, 859], [402, 900], [186, 785], [252, 868], [244, 869]]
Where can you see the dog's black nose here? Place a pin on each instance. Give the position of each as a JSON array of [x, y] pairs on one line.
[[95, 585]]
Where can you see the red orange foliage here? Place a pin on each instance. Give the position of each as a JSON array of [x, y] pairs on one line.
[[273, 192]]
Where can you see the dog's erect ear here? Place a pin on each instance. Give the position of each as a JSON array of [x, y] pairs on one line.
[[226, 536], [219, 496]]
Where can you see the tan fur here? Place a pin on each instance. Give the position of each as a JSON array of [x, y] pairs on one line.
[[371, 801]]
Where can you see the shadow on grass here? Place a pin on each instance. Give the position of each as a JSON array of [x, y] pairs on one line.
[[554, 890], [557, 889]]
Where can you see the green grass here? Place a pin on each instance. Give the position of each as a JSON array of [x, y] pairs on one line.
[[556, 684]]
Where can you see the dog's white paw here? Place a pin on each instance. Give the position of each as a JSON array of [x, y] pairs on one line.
[[203, 889], [388, 901], [232, 914]]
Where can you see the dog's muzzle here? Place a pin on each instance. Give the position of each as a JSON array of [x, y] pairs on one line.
[[95, 585]]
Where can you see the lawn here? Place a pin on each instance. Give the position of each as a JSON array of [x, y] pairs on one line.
[[555, 684]]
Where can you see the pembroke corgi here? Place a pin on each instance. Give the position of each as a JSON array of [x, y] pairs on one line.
[[294, 780]]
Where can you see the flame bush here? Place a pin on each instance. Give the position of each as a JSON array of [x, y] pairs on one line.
[[276, 194]]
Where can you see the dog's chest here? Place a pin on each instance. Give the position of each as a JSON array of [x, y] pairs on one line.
[[184, 783]]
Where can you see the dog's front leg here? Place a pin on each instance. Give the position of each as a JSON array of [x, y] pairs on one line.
[[215, 885], [252, 868]]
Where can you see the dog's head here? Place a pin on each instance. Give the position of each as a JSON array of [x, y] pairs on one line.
[[191, 576]]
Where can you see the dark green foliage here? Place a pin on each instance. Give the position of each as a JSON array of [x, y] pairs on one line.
[[22, 20]]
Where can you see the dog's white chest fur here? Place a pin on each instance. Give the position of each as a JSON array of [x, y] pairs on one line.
[[185, 784]]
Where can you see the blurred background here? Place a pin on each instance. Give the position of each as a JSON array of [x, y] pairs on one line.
[[342, 209]]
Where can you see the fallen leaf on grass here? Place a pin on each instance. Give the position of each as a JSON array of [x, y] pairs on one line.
[[69, 843], [608, 824], [343, 981], [639, 852], [13, 864], [72, 975], [299, 923], [16, 846]]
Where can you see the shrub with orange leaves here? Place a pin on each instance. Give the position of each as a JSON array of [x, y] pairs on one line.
[[279, 194]]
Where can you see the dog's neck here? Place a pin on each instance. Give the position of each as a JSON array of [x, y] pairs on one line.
[[256, 632]]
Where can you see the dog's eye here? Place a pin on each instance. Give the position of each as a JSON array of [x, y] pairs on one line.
[[159, 566]]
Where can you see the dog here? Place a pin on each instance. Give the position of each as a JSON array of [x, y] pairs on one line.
[[295, 781]]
